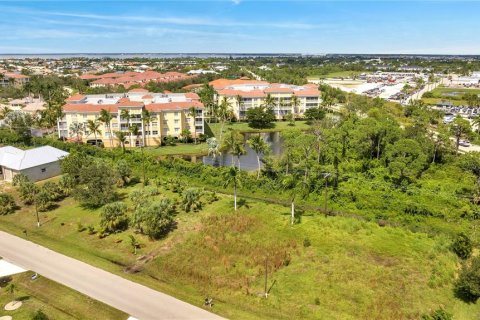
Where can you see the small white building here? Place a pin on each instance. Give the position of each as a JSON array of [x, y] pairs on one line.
[[37, 164]]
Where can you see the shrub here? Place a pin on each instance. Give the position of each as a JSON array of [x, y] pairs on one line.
[[54, 190], [155, 219], [91, 230], [114, 217], [27, 191], [80, 227], [462, 246], [7, 204], [317, 301], [191, 199], [39, 315], [307, 243], [18, 179], [467, 285], [439, 314], [151, 191]]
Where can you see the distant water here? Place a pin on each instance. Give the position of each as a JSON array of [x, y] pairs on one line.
[[143, 55]]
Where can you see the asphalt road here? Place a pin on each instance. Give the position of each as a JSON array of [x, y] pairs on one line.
[[132, 298]]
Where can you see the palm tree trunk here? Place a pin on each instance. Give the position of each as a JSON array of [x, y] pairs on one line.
[[235, 196], [110, 130], [259, 167], [292, 220]]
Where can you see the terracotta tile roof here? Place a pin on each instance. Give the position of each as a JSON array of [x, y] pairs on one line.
[[192, 95], [148, 96], [307, 93], [276, 89], [222, 83], [233, 93], [76, 97], [122, 100], [16, 76], [88, 76], [173, 106]]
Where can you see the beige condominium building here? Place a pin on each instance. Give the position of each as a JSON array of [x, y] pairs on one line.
[[243, 94], [170, 114]]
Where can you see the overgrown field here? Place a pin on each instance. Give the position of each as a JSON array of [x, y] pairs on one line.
[[323, 267]]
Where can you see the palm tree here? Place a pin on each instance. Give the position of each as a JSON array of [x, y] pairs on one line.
[[77, 129], [125, 115], [260, 147], [296, 185], [271, 103], [185, 135], [222, 113], [94, 127], [295, 103], [106, 117], [234, 144], [192, 112], [213, 147], [476, 122], [239, 100], [122, 138], [146, 119], [135, 130], [4, 112], [232, 177]]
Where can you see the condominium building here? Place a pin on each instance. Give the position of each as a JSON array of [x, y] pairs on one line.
[[170, 114], [243, 94], [128, 79], [12, 79]]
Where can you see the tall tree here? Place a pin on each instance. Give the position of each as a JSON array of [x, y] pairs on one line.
[[233, 143], [125, 115], [122, 138], [77, 129], [106, 118], [459, 128], [93, 127], [231, 176], [258, 144]]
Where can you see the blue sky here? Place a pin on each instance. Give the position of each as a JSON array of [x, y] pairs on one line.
[[243, 26]]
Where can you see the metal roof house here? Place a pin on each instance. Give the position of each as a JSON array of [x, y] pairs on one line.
[[37, 164]]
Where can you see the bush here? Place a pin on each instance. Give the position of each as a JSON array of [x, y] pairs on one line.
[[7, 204], [28, 191], [18, 179], [39, 315], [467, 285], [191, 199], [114, 217], [462, 246], [54, 190], [439, 314], [307, 243]]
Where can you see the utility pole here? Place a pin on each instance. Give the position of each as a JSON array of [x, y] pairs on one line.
[[266, 276], [36, 212]]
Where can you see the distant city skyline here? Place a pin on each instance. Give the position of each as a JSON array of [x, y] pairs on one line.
[[305, 27]]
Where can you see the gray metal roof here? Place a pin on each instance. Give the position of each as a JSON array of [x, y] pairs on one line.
[[17, 159]]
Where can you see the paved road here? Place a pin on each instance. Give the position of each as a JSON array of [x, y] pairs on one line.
[[130, 297]]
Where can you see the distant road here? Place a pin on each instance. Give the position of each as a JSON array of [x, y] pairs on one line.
[[130, 297]]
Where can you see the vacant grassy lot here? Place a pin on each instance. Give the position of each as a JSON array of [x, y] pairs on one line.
[[55, 300], [323, 267]]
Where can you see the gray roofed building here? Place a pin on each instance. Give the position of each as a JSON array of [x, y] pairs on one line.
[[37, 164]]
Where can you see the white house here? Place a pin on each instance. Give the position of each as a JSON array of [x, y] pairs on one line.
[[37, 164]]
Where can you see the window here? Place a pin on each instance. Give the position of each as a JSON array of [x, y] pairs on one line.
[[177, 129], [155, 132], [176, 121], [165, 122], [176, 114], [44, 170]]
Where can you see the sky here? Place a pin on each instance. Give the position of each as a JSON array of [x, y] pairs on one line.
[[240, 26]]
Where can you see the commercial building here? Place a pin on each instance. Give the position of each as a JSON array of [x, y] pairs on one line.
[[170, 114], [37, 164], [243, 94]]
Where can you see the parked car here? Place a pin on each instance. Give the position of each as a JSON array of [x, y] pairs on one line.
[[464, 143]]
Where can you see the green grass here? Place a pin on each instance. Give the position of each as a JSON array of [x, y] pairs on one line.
[[353, 269], [338, 74], [434, 101], [55, 300]]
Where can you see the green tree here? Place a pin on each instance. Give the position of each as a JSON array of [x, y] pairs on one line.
[[258, 144], [96, 185], [106, 118], [459, 128], [125, 115], [40, 315], [122, 138], [314, 113], [234, 144], [260, 117], [77, 129], [7, 204], [114, 217], [43, 200], [232, 176], [296, 186], [134, 244], [27, 191], [124, 171], [405, 159], [93, 127], [185, 135]]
